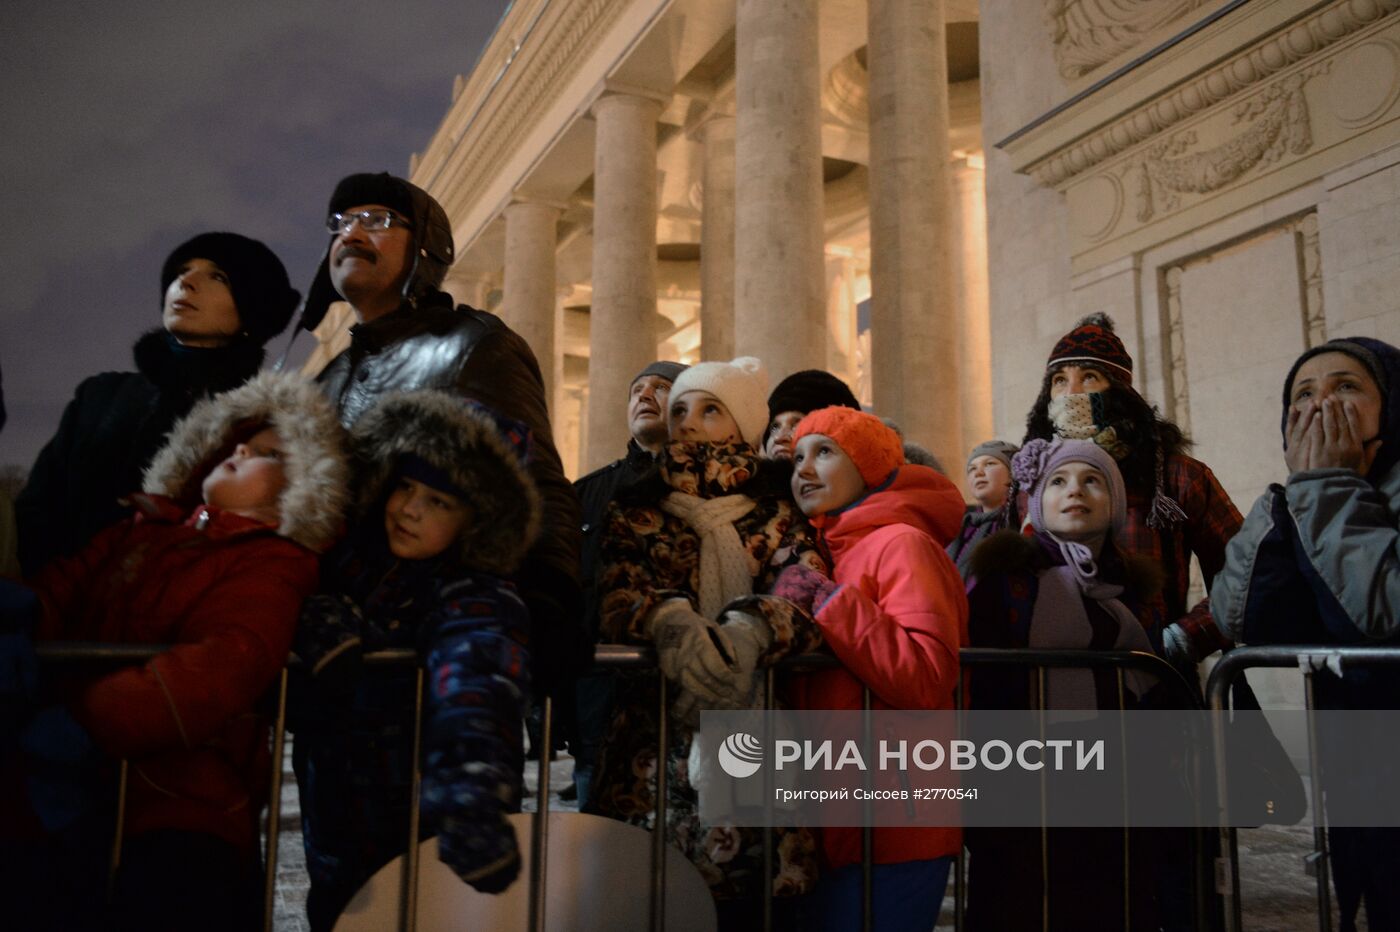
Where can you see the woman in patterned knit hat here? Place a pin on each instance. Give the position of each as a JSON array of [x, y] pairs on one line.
[[1176, 506]]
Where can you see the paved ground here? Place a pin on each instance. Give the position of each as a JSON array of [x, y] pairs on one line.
[[1277, 893]]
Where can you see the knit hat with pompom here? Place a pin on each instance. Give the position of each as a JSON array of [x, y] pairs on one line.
[[1093, 342]]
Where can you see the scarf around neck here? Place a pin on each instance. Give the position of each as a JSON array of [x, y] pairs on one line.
[[1060, 620], [704, 479]]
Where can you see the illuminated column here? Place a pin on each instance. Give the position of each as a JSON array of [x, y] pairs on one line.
[[914, 326], [622, 335], [779, 299]]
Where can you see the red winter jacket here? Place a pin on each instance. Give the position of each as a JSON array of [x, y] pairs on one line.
[[226, 598], [896, 622]]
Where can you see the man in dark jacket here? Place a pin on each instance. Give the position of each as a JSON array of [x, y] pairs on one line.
[[223, 297], [647, 401], [390, 248]]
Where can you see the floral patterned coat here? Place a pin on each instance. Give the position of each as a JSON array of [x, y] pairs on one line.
[[650, 556]]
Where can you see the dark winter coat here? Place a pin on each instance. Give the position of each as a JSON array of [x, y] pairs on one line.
[[651, 556], [1010, 570], [1007, 872], [474, 355], [223, 590], [353, 751], [977, 526], [110, 431], [595, 492]]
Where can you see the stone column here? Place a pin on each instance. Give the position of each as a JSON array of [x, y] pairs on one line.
[[622, 334], [717, 241], [968, 219], [914, 326], [779, 301], [473, 290], [528, 301]]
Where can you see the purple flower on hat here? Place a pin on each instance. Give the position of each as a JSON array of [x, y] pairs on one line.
[[1027, 465]]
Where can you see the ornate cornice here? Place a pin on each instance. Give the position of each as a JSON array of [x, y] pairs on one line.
[[1090, 33], [1299, 41], [549, 68]]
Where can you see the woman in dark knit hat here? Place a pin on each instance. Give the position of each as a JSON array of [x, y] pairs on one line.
[[1176, 506], [222, 297], [1315, 563], [795, 397]]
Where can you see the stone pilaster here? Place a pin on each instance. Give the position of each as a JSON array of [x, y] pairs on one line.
[[968, 239]]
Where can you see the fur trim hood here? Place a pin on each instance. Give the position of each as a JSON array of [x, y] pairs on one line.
[[466, 442], [312, 504]]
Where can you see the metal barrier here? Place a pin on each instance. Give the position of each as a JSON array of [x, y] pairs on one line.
[[621, 657], [1307, 660]]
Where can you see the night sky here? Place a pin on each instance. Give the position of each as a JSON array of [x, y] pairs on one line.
[[131, 126]]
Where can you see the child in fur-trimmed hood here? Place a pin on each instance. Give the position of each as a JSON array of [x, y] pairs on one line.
[[446, 513], [215, 563]]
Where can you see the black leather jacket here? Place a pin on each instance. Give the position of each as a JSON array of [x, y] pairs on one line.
[[474, 354]]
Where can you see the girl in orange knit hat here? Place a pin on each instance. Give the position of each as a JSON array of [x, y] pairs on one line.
[[895, 614]]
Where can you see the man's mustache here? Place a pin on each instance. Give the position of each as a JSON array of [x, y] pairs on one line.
[[352, 251]]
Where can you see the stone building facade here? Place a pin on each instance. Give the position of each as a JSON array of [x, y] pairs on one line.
[[799, 180], [1223, 177], [806, 181]]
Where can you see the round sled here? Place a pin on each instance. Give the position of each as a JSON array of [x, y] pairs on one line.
[[598, 880]]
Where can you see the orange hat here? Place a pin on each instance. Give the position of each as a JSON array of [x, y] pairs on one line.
[[876, 450]]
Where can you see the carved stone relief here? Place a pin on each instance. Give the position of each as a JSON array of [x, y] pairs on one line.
[[1089, 33], [1365, 82], [1177, 385], [1276, 123], [1306, 38], [1311, 320], [1310, 269]]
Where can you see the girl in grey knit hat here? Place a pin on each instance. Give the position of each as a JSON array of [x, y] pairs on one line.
[[989, 478]]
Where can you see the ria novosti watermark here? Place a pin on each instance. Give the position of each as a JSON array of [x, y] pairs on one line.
[[1021, 768], [741, 755]]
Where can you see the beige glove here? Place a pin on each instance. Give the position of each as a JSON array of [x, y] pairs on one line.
[[688, 652]]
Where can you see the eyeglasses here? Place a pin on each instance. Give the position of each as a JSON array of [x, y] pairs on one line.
[[367, 219]]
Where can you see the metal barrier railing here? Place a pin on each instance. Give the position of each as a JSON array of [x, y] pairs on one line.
[[620, 657], [1308, 660]]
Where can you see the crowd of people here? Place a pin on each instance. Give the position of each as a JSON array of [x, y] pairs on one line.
[[411, 497]]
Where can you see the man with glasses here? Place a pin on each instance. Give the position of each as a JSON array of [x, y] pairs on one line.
[[390, 248]]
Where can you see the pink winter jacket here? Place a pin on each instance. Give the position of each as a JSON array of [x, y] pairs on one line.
[[896, 623]]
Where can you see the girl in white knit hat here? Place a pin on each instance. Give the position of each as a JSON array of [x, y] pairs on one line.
[[689, 553]]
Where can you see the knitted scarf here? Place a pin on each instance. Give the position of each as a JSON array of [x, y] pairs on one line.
[[1080, 416], [1059, 620], [724, 563]]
